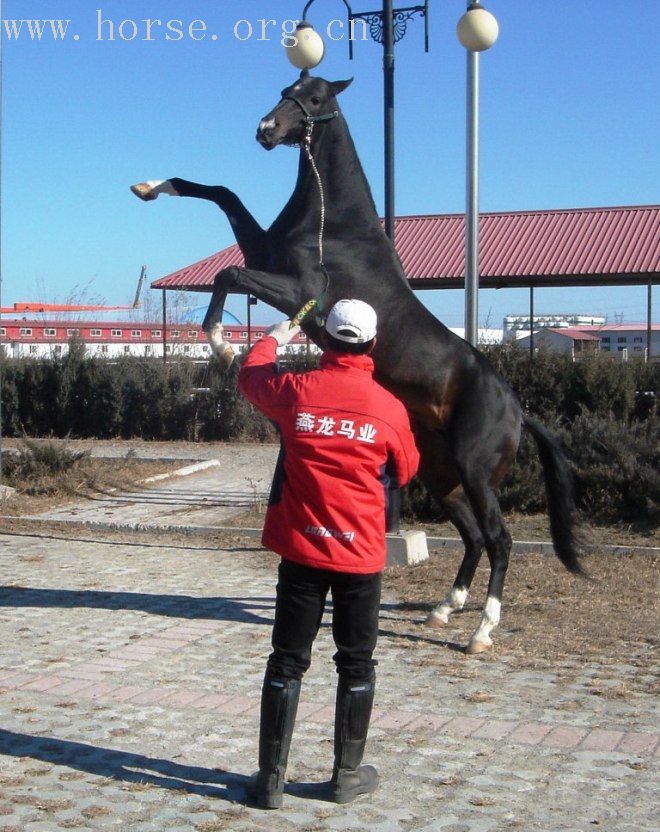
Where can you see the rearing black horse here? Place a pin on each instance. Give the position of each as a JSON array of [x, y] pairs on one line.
[[466, 419]]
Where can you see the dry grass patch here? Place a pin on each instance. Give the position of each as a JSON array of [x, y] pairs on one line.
[[48, 472]]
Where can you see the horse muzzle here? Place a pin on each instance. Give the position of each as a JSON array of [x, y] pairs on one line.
[[266, 139]]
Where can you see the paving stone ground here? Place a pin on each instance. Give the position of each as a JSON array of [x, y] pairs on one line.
[[129, 693]]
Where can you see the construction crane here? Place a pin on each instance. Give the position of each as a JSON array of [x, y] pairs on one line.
[[67, 307]]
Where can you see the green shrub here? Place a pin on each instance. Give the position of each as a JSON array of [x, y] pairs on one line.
[[604, 411], [617, 468]]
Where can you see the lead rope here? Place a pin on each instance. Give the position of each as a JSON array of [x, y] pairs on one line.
[[302, 313]]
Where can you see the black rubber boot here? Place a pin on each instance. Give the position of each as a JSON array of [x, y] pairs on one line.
[[352, 715], [279, 704]]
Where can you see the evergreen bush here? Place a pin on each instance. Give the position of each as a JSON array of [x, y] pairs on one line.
[[604, 411]]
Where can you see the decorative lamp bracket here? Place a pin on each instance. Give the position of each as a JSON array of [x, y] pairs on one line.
[[375, 22], [400, 19]]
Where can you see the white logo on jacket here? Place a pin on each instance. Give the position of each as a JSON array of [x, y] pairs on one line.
[[326, 426], [321, 531]]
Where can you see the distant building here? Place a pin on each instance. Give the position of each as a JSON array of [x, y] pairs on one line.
[[22, 338], [627, 340], [566, 341], [51, 339], [516, 326], [621, 341]]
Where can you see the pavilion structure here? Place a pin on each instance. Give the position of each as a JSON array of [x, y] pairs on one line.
[[613, 246]]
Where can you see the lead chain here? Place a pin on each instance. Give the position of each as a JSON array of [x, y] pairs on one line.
[[307, 145]]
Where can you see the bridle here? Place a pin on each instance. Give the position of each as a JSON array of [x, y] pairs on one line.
[[311, 120], [308, 116]]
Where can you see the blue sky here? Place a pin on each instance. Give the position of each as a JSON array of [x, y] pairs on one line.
[[569, 118]]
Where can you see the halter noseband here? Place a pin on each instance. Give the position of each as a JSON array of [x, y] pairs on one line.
[[308, 116]]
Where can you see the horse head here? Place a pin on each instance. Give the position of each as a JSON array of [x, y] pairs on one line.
[[309, 101]]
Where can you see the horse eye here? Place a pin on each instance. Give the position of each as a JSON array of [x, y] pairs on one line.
[[316, 100]]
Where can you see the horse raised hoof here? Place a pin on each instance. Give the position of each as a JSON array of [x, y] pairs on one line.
[[434, 619], [145, 191], [221, 349], [153, 188], [475, 647]]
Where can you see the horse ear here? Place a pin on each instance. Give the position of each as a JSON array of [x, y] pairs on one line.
[[339, 86]]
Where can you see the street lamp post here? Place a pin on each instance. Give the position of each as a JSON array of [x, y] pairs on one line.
[[477, 31], [388, 27]]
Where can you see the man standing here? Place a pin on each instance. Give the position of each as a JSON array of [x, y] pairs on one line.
[[344, 438]]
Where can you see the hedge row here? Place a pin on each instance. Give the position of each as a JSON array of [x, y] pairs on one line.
[[604, 411]]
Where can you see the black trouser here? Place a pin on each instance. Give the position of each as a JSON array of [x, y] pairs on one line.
[[301, 595]]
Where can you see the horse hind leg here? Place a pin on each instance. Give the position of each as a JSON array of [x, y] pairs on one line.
[[498, 546], [461, 515]]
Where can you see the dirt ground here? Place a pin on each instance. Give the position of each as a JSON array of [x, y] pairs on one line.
[[537, 527], [550, 618]]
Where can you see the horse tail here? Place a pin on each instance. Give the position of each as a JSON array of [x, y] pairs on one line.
[[560, 495]]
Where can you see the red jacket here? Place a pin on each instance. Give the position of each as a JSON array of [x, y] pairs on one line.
[[343, 437]]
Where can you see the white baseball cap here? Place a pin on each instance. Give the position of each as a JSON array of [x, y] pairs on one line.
[[352, 321]]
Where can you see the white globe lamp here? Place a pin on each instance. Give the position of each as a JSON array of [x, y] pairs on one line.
[[478, 29], [307, 49]]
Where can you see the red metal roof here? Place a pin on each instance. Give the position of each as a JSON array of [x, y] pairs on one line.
[[566, 247], [575, 334]]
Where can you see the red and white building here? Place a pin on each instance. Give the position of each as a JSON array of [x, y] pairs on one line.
[[37, 338]]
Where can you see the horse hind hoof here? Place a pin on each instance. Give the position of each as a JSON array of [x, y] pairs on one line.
[[434, 619], [145, 191], [475, 647]]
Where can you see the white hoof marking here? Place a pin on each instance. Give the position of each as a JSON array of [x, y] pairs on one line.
[[490, 618], [454, 601]]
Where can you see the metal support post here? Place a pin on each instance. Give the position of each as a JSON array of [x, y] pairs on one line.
[[388, 98], [165, 326], [472, 201], [649, 318], [531, 323]]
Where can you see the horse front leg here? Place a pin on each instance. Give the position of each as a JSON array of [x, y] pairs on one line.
[[250, 236], [282, 291], [212, 326]]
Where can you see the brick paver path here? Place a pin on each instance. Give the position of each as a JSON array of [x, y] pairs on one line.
[[129, 688]]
